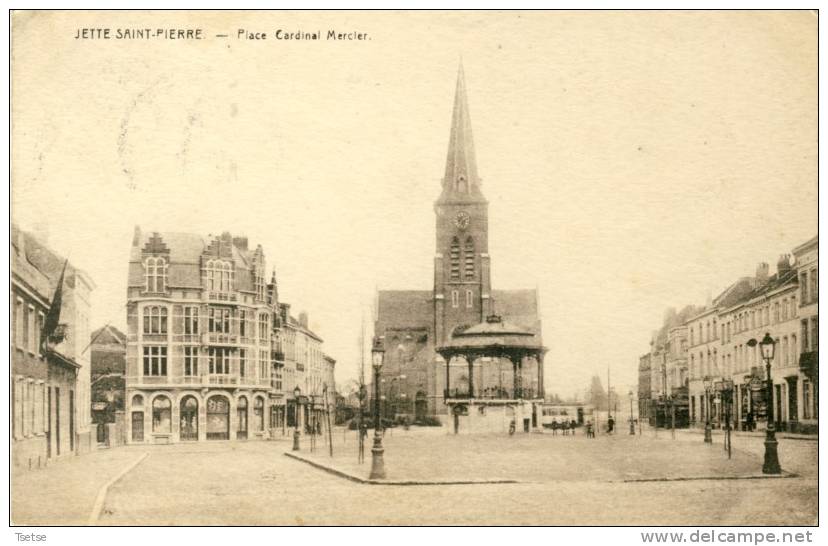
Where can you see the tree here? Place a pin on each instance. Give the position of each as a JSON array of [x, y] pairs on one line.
[[597, 396]]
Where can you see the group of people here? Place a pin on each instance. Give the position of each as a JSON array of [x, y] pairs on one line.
[[565, 426]]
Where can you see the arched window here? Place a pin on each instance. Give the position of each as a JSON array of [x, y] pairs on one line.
[[155, 320], [468, 258], [462, 185], [469, 299], [219, 276], [137, 401], [258, 414], [455, 259], [155, 274], [161, 414]]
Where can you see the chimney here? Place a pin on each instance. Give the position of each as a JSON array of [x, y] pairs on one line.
[[240, 243], [783, 265], [762, 273], [303, 319], [136, 236]]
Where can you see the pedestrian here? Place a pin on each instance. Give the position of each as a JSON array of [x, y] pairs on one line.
[[610, 425], [554, 428], [565, 426], [589, 431]]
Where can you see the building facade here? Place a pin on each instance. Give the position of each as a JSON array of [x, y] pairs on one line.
[[211, 353], [721, 348], [50, 378], [107, 348], [412, 323]]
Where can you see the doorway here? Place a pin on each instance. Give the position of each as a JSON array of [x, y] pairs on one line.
[[218, 418], [189, 419], [241, 433], [137, 426]]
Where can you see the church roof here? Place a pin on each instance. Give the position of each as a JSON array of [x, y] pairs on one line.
[[461, 182]]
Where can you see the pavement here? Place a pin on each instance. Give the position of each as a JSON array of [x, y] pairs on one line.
[[254, 483]]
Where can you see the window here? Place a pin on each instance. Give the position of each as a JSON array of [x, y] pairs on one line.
[[219, 320], [155, 361], [278, 378], [468, 258], [455, 298], [219, 276], [242, 323], [804, 332], [155, 320], [784, 356], [264, 323], [715, 329], [806, 399], [19, 324], [219, 360], [191, 361], [794, 349], [469, 299], [161, 414], [803, 287], [37, 331], [692, 336], [815, 334], [242, 362], [793, 307], [30, 326], [814, 286], [258, 414], [264, 363], [191, 320], [455, 259], [155, 275], [260, 281]]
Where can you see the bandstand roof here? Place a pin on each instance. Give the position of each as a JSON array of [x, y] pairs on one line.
[[493, 336]]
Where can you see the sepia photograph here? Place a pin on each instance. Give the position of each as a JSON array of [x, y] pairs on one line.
[[415, 268]]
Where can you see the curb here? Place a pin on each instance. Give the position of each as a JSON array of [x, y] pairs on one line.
[[357, 479], [784, 474], [99, 500]]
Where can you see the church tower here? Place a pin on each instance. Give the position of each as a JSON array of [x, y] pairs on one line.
[[462, 287]]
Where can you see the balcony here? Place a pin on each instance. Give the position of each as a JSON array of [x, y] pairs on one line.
[[219, 339], [198, 381]]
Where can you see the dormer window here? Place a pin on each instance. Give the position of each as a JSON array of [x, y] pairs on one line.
[[155, 275], [219, 276]]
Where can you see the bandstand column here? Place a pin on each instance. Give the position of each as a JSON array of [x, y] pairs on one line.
[[470, 360], [514, 378], [448, 376], [539, 360]]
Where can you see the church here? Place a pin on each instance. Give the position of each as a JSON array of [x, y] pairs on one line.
[[417, 326]]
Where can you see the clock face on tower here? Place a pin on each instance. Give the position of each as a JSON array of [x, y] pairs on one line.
[[462, 220]]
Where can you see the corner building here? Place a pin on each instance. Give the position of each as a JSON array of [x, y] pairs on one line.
[[412, 323], [206, 355]]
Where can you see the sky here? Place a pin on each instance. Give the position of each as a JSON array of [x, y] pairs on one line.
[[633, 161]]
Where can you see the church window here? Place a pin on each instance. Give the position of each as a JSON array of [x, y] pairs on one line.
[[455, 298], [155, 274], [469, 299], [468, 256], [455, 259]]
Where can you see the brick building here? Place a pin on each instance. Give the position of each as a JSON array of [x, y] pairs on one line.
[[413, 322], [211, 352], [49, 378]]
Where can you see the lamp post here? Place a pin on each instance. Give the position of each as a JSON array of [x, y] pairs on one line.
[[296, 392], [708, 384], [727, 401], [771, 465], [377, 462], [632, 422]]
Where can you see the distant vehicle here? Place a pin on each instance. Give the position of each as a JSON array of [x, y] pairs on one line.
[[560, 413]]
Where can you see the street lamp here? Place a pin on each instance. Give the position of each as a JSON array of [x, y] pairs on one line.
[[632, 423], [727, 400], [708, 385], [377, 462], [296, 392], [768, 347]]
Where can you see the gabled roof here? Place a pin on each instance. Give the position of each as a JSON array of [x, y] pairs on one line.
[[108, 335]]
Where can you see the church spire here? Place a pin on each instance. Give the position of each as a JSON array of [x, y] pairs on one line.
[[461, 181]]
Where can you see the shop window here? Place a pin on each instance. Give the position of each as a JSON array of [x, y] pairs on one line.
[[161, 414]]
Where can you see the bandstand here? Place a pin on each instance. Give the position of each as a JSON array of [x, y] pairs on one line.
[[480, 408]]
